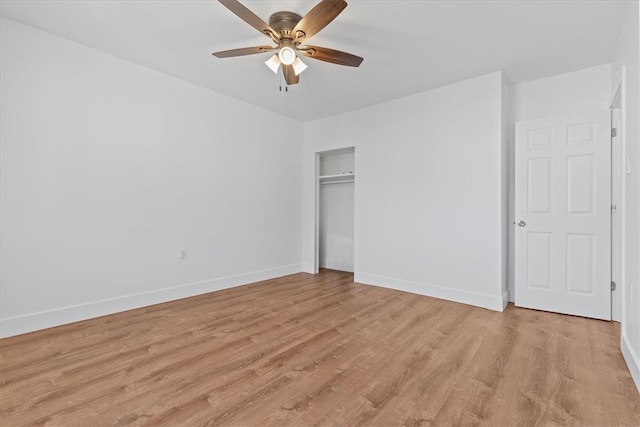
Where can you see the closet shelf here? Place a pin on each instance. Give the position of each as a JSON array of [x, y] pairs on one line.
[[336, 179]]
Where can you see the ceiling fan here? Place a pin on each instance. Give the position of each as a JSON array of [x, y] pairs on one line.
[[289, 31]]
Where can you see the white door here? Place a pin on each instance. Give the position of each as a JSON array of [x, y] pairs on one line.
[[563, 211]]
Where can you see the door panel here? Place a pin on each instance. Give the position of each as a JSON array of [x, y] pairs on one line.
[[580, 262], [539, 260], [539, 182], [580, 185], [563, 197]]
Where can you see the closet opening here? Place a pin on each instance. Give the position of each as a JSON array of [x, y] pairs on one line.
[[335, 182]]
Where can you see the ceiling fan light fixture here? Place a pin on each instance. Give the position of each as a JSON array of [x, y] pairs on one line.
[[273, 63], [287, 55], [287, 31], [298, 66]]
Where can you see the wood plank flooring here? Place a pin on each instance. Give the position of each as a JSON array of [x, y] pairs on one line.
[[318, 350]]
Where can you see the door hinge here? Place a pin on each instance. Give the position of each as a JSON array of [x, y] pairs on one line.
[[614, 132], [614, 209], [613, 286]]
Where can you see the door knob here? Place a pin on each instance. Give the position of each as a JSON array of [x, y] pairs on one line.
[[521, 224]]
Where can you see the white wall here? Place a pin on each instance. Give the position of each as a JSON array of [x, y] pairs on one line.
[[108, 168], [428, 202], [626, 55], [565, 94], [583, 90]]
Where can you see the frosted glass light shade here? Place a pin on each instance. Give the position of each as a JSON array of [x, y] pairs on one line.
[[273, 63], [298, 66], [287, 55]]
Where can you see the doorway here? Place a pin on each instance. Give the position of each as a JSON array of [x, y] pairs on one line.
[[563, 214], [335, 209]]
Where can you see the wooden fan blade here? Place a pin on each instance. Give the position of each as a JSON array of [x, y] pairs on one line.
[[249, 17], [331, 55], [290, 75], [243, 51], [318, 18]]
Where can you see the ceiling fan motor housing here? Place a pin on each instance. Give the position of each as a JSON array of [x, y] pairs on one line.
[[283, 22]]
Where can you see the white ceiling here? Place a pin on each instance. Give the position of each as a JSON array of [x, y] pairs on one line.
[[408, 46]]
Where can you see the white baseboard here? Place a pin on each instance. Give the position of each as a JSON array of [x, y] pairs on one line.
[[60, 316], [632, 359], [497, 303], [307, 267], [336, 265], [505, 300]]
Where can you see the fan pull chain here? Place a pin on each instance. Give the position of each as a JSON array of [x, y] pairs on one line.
[[286, 87]]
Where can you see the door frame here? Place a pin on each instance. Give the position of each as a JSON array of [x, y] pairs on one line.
[[316, 214], [617, 102], [618, 239]]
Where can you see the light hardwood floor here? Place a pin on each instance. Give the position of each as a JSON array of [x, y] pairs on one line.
[[318, 350]]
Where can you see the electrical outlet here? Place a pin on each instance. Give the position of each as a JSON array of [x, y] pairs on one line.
[[183, 254]]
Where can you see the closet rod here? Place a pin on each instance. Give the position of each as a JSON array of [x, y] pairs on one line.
[[336, 182]]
